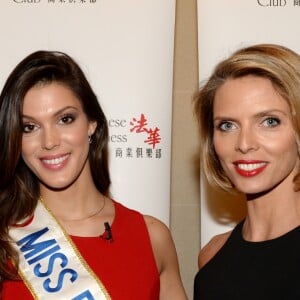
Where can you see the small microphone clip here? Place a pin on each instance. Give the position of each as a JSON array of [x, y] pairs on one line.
[[107, 235]]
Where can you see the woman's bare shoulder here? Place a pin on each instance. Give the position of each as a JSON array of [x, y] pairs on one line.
[[211, 248]]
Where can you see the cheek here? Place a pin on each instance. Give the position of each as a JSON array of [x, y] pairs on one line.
[[285, 147], [222, 148], [29, 146], [76, 138], [223, 154]]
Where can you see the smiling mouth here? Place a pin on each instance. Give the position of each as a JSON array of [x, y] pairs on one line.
[[250, 167], [55, 161]]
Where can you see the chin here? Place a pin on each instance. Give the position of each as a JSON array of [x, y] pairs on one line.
[[255, 190], [57, 186], [257, 193]]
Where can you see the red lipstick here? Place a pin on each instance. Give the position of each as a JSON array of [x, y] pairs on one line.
[[249, 168]]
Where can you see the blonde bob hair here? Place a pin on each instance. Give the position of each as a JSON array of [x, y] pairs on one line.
[[278, 64]]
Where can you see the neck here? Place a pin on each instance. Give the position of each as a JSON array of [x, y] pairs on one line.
[[271, 217], [75, 202]]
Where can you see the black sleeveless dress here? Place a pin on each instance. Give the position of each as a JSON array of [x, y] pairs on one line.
[[244, 270]]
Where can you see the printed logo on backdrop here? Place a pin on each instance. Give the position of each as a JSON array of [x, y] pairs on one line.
[[278, 3], [54, 1], [136, 137]]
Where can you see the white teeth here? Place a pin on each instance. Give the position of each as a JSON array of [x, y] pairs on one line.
[[250, 167], [55, 161]]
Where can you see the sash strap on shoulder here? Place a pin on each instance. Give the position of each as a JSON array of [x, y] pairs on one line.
[[50, 264]]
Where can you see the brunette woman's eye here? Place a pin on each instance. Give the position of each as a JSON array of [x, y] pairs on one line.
[[271, 122], [67, 119], [28, 128]]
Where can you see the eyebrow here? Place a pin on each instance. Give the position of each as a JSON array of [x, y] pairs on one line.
[[270, 112], [60, 111], [258, 115]]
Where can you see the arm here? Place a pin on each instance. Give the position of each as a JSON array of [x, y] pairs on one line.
[[171, 286]]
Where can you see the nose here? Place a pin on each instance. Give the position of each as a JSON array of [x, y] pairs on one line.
[[50, 138], [246, 141]]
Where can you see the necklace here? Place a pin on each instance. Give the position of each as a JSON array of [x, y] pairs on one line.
[[89, 216]]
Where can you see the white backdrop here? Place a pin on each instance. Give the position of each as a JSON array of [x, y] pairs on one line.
[[125, 48], [224, 26]]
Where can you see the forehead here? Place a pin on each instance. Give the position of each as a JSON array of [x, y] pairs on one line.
[[248, 94], [49, 98]]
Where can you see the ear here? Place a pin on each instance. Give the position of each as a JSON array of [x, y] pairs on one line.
[[92, 127]]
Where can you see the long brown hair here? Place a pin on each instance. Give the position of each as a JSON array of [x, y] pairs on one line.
[[19, 187]]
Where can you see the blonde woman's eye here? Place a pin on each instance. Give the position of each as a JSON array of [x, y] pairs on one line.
[[226, 126], [271, 122]]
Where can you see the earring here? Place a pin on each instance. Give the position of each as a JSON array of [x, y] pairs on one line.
[[90, 139]]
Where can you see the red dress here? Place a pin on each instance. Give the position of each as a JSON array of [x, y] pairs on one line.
[[126, 266]]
